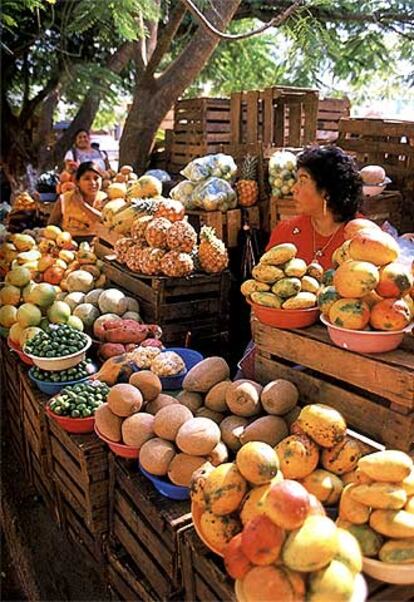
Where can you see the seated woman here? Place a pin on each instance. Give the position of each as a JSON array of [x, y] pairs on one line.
[[78, 211], [327, 194], [83, 151]]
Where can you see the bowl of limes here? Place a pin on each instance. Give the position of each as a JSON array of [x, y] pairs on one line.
[[52, 381], [58, 348]]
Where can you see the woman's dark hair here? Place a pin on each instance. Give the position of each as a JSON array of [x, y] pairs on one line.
[[336, 174], [79, 131], [87, 166]]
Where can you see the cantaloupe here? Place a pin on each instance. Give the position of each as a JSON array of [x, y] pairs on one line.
[[269, 429], [147, 382], [124, 399], [231, 429], [156, 455], [137, 429], [207, 373], [168, 420], [216, 397], [198, 436], [181, 468], [279, 397], [191, 400], [108, 423], [161, 401], [243, 397]]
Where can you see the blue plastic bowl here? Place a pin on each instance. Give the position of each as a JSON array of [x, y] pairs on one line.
[[54, 388], [190, 358], [166, 488]]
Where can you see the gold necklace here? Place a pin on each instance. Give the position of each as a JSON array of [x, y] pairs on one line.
[[319, 252]]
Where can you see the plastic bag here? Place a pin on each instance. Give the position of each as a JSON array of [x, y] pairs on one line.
[[214, 194], [405, 242], [219, 165], [282, 173], [182, 192]]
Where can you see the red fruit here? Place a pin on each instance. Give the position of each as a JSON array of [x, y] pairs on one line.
[[235, 560], [262, 540], [53, 275], [287, 504]]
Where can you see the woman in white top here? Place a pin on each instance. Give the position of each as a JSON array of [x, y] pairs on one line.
[[82, 152]]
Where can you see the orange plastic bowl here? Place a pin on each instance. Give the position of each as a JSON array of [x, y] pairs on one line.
[[119, 449], [365, 341], [77, 426], [285, 318], [25, 358]]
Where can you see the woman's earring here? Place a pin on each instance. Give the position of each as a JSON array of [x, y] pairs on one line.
[[324, 206]]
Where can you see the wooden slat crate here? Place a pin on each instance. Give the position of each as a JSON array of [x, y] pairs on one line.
[[12, 411], [330, 111], [228, 224], [205, 578], [375, 393], [79, 467], [172, 303], [201, 127], [277, 117], [379, 591], [147, 526], [126, 582], [384, 207]]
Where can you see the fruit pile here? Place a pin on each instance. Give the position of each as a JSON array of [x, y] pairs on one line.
[[282, 173], [377, 506], [371, 289], [79, 401], [84, 369], [57, 341], [282, 280]]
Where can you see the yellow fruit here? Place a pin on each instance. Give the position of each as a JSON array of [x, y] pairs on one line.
[[224, 489], [312, 546], [257, 462]]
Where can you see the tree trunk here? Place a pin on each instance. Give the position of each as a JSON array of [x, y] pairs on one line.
[[154, 97], [44, 131]]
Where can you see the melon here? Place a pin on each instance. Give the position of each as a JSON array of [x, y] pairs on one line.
[[10, 295], [58, 312], [181, 468], [108, 423], [79, 280], [147, 382], [93, 296], [8, 315], [113, 301], [169, 420], [28, 315], [42, 294], [395, 280], [19, 277], [86, 312], [74, 299], [124, 399], [75, 322]]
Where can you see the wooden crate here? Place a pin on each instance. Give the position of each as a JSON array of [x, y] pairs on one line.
[[228, 224], [205, 578], [380, 591], [277, 117], [201, 127], [375, 393], [147, 526], [172, 303], [79, 467], [330, 111], [12, 412], [126, 582], [384, 207]]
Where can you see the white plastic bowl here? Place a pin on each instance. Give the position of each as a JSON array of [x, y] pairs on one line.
[[374, 190], [401, 574], [63, 362]]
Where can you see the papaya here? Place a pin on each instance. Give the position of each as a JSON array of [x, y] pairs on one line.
[[286, 287], [315, 270], [375, 246], [386, 496], [390, 314], [341, 254], [224, 489], [395, 280], [348, 551], [219, 530], [352, 314], [369, 541], [298, 456], [343, 457], [267, 300], [197, 483], [326, 486], [295, 267], [303, 300], [351, 510], [325, 425], [253, 286], [393, 523], [326, 297], [279, 254], [354, 279], [267, 274], [357, 225], [310, 284], [400, 551], [257, 462], [254, 502], [389, 465], [333, 582]]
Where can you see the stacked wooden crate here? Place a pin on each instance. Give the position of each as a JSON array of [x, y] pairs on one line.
[[330, 111], [375, 393], [145, 533]]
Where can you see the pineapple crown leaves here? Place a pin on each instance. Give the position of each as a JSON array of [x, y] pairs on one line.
[[248, 170]]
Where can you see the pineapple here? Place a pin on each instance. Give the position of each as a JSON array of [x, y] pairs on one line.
[[212, 252], [121, 247], [151, 259], [176, 264], [139, 226], [181, 237], [172, 210], [133, 258], [247, 188], [156, 232]]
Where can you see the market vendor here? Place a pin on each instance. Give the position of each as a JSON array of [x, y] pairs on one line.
[[82, 151], [78, 211], [327, 194]]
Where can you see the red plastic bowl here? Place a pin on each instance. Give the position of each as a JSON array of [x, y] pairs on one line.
[[285, 318], [119, 449], [72, 425], [365, 341], [26, 359]]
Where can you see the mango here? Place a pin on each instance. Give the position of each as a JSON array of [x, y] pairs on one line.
[[399, 551], [388, 465], [332, 583], [312, 546]]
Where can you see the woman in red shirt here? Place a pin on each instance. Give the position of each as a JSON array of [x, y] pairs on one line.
[[327, 194]]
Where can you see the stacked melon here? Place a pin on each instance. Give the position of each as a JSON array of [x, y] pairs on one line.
[[282, 280], [371, 288], [377, 506]]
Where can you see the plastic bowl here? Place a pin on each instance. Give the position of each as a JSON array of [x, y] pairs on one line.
[[72, 425], [25, 358], [401, 574], [285, 318], [166, 488], [190, 358], [365, 341], [375, 189], [51, 388], [119, 449], [61, 363]]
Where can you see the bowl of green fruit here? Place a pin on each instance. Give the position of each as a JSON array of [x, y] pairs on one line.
[[58, 348], [73, 408], [53, 381]]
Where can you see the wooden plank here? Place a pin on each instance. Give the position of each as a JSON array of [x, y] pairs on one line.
[[295, 121], [374, 146], [376, 127], [235, 118], [382, 424], [252, 132], [374, 374], [126, 580]]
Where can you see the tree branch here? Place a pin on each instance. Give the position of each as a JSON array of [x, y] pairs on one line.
[[274, 22], [166, 37], [30, 107]]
